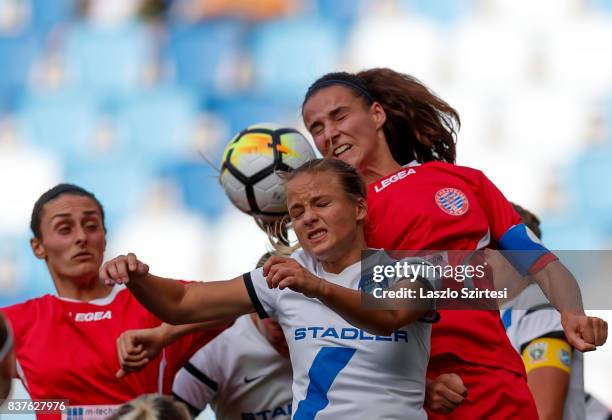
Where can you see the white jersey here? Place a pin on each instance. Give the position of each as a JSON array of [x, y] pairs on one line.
[[239, 374], [340, 371], [530, 316]]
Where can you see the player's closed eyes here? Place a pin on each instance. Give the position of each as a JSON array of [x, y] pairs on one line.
[[92, 227], [316, 130], [296, 214]]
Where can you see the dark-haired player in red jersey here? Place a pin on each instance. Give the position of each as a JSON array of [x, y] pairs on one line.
[[401, 137], [65, 345]]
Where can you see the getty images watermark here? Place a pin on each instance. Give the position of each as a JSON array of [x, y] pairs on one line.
[[484, 279], [412, 269]]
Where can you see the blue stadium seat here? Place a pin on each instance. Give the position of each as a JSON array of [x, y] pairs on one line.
[[47, 14], [17, 54], [604, 6], [444, 12], [199, 186], [120, 184], [342, 13], [22, 276], [592, 198], [158, 124], [289, 55], [241, 111], [205, 55], [62, 122], [569, 232], [108, 62]]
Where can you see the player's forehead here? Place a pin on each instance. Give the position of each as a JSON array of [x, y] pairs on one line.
[[308, 186], [66, 206], [327, 100]]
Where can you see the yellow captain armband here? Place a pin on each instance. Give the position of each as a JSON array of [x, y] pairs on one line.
[[548, 352]]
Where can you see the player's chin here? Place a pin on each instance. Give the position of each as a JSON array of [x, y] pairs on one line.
[[319, 247], [83, 270]]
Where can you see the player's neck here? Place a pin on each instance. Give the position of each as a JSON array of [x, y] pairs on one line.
[[375, 169], [83, 290]]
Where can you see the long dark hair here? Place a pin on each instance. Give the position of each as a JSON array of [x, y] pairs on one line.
[[419, 124]]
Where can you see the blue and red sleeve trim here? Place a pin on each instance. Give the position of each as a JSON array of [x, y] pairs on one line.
[[524, 250]]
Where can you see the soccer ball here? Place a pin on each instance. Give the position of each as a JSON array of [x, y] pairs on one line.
[[249, 163]]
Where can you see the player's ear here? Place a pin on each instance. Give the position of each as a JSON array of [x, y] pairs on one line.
[[38, 248], [361, 209], [378, 114]]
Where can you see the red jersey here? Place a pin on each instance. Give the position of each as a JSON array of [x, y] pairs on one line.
[[67, 349], [441, 206]]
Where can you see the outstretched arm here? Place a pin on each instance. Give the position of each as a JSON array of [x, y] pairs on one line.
[[284, 272], [560, 287], [174, 302]]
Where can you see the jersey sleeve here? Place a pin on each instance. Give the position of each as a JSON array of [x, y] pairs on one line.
[[197, 383], [182, 349], [538, 322], [263, 298], [539, 335], [548, 352], [19, 322], [518, 243]]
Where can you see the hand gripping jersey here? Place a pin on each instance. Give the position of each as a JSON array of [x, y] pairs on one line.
[[536, 333], [239, 374], [67, 349], [440, 206], [340, 371]]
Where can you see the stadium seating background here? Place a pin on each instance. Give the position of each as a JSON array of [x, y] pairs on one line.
[[123, 98]]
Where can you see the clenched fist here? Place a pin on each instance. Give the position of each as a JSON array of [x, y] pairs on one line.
[[122, 269]]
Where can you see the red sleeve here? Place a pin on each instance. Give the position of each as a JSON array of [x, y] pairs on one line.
[[500, 213], [531, 256], [15, 314]]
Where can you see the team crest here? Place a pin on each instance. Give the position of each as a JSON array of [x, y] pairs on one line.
[[564, 357], [452, 201], [537, 350]]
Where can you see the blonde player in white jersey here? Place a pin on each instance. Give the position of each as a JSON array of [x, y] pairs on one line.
[[244, 373], [339, 371], [554, 369]]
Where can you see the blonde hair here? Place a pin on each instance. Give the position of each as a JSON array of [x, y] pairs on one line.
[[152, 407], [278, 234]]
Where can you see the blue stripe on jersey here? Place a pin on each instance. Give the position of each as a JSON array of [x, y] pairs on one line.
[[521, 250], [326, 365], [507, 318]]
